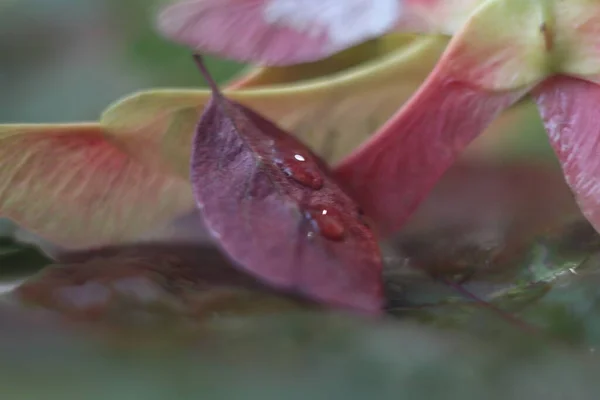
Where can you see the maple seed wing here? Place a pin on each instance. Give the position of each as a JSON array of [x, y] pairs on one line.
[[394, 171], [569, 109], [69, 184], [274, 209]]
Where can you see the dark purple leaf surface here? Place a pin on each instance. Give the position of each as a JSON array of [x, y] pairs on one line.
[[275, 209]]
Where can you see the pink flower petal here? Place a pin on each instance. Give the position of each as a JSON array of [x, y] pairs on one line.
[[393, 172], [481, 73], [277, 32], [569, 109], [435, 16], [283, 32]]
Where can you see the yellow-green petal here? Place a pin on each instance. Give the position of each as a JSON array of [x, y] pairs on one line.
[[71, 185], [576, 31], [436, 16], [502, 46], [332, 114], [353, 57]]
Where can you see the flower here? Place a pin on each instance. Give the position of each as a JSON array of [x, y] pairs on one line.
[[500, 52]]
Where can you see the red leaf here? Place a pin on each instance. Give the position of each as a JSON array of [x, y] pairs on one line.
[[393, 172], [276, 210], [569, 109]]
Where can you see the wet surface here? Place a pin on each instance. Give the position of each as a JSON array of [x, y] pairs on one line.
[[146, 285]]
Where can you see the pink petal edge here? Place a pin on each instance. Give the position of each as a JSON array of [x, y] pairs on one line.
[[393, 172], [285, 32], [570, 112], [277, 32]]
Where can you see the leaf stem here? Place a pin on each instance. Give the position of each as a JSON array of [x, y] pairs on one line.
[[206, 75]]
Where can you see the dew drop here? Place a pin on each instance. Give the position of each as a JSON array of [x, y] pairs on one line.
[[302, 172], [305, 176], [328, 223]]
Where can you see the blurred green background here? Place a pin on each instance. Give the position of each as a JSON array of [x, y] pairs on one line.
[[66, 60]]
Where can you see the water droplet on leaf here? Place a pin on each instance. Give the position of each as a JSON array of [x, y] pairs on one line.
[[328, 223], [300, 171], [306, 208]]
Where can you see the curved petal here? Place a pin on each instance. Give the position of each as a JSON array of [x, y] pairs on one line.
[[576, 33], [392, 172], [569, 109], [332, 114], [277, 32], [72, 186], [436, 16], [355, 57], [285, 32], [484, 70], [501, 47]]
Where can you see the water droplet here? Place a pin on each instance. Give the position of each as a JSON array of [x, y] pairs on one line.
[[305, 176], [304, 173], [327, 222]]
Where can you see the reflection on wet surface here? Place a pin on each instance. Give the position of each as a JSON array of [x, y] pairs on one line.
[[148, 283], [540, 263]]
